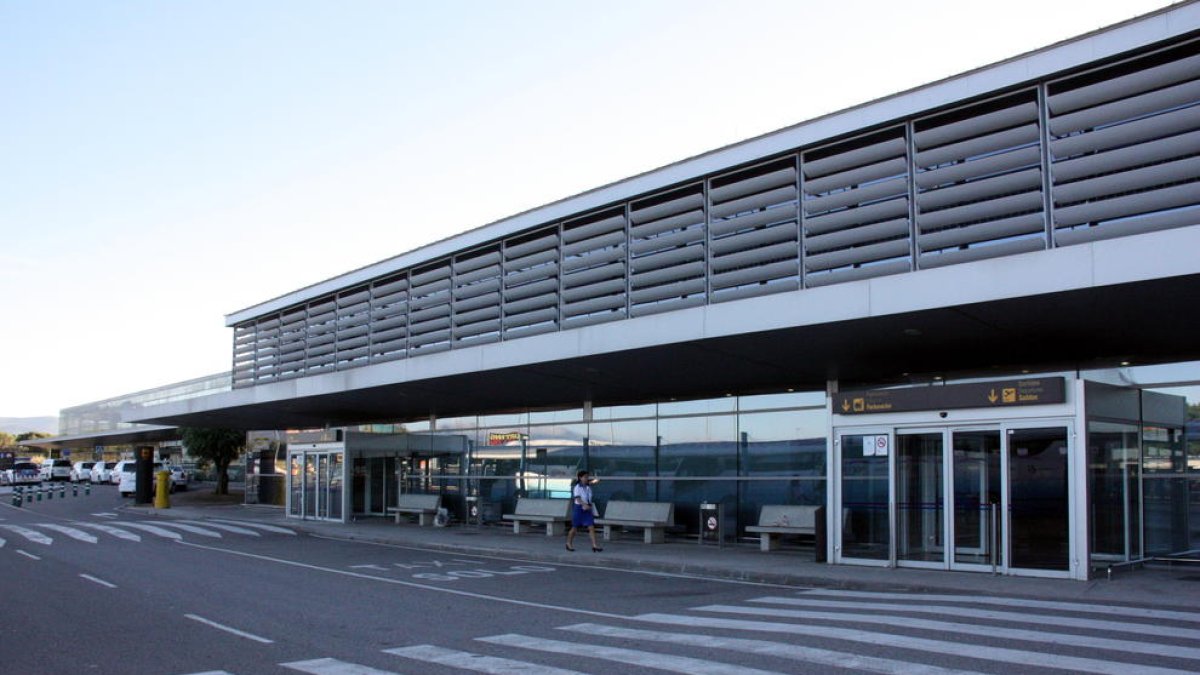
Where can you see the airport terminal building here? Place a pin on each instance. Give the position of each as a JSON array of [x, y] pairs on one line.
[[959, 318]]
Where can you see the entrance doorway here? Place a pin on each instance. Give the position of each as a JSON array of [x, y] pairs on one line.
[[978, 498], [316, 481]]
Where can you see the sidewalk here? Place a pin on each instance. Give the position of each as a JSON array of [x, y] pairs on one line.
[[1176, 587]]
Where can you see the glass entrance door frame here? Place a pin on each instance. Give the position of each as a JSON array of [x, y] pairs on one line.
[[894, 428], [316, 480]]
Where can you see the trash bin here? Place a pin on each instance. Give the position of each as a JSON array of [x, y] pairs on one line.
[[710, 523], [474, 510]]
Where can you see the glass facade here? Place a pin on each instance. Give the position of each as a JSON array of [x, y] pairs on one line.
[[771, 452]]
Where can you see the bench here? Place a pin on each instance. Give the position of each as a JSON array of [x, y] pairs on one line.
[[424, 507], [555, 513], [653, 517], [776, 519]]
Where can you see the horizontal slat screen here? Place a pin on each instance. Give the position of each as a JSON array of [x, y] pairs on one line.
[[1111, 149]]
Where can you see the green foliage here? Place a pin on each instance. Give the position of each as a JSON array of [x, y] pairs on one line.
[[219, 446], [31, 436], [7, 439], [1194, 411]]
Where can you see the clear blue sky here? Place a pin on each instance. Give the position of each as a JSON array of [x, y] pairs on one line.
[[163, 163]]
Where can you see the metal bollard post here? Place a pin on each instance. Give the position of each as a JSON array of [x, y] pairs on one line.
[[74, 489], [87, 489], [28, 496], [17, 497], [62, 490], [50, 493], [39, 491]]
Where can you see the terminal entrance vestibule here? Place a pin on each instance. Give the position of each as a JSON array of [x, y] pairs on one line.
[[964, 497]]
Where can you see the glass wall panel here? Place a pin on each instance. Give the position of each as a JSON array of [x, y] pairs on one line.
[[623, 412], [694, 453], [787, 444], [555, 453], [865, 530], [1114, 486], [797, 399], [499, 456], [1165, 490], [977, 488], [920, 497], [702, 406], [623, 456], [1038, 498], [562, 416]]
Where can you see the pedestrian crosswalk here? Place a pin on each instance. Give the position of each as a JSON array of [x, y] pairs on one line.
[[46, 534], [818, 630]]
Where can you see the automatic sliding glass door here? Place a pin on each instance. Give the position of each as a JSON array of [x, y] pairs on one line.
[[920, 500], [977, 490], [1039, 511], [315, 490]]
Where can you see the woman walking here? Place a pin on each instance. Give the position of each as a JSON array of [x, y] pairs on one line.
[[583, 512]]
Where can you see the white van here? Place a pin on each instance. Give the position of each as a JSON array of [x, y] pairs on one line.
[[56, 469], [127, 483]]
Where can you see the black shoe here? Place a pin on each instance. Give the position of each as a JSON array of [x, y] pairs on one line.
[[596, 550], [569, 548]]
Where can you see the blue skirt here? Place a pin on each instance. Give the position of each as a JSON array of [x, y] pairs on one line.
[[581, 517]]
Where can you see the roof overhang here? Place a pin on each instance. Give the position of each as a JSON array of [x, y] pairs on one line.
[[131, 436], [1087, 306]]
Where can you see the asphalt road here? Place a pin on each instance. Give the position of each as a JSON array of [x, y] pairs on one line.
[[91, 586]]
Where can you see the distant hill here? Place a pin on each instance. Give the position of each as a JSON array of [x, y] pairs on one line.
[[20, 425]]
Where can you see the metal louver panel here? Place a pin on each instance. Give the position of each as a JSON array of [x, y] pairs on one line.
[[753, 233], [976, 166], [353, 317], [1125, 156], [429, 307], [594, 249], [476, 306], [666, 239], [389, 318], [531, 281], [840, 242]]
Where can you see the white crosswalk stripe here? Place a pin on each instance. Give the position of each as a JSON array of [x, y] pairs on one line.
[[114, 531], [479, 663], [32, 535], [823, 657], [189, 528], [334, 667], [2, 543], [72, 532], [645, 659], [941, 647], [257, 526], [225, 528], [1018, 617], [153, 529], [1078, 607]]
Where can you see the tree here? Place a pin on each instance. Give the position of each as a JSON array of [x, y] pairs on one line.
[[7, 439], [31, 436], [219, 446]]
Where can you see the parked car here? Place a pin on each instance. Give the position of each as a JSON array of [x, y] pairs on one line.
[[24, 473], [114, 476], [82, 471], [179, 478], [102, 472], [127, 484], [56, 469]]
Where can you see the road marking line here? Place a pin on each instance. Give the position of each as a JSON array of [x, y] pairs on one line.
[[70, 532], [105, 515], [213, 672], [109, 529], [824, 657], [1046, 636], [226, 528], [1005, 655], [2, 543], [153, 529], [227, 629], [409, 584], [99, 581], [377, 568], [993, 615], [191, 528], [1081, 607], [677, 664], [258, 526], [494, 665], [334, 667], [32, 535], [28, 555]]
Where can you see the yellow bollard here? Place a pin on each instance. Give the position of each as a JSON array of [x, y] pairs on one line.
[[162, 500]]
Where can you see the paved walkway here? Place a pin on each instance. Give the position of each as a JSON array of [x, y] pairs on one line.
[[1175, 586]]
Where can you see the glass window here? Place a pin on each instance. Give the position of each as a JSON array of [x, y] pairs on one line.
[[704, 406], [1114, 488], [622, 456], [786, 443], [555, 453], [624, 412], [455, 423], [798, 399], [504, 420], [556, 416], [698, 460]]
